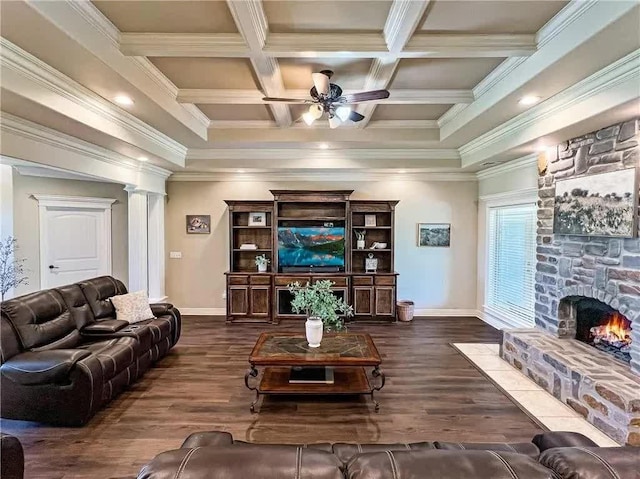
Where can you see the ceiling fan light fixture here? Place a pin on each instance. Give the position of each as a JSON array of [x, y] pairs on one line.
[[308, 118], [321, 82], [316, 111], [334, 122], [343, 112]]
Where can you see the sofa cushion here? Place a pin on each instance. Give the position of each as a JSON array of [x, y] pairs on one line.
[[44, 367], [98, 291], [132, 307], [526, 448], [207, 438], [345, 452], [231, 462], [548, 440], [161, 327], [439, 464], [77, 304], [593, 462], [114, 355], [42, 321], [104, 326]]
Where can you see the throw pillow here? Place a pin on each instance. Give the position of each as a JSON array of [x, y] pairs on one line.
[[132, 307]]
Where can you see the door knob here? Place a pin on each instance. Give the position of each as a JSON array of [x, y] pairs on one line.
[[53, 267]]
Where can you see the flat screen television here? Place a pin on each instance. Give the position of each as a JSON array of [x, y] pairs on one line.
[[310, 246]]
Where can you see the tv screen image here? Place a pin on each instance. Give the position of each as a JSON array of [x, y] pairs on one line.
[[310, 246]]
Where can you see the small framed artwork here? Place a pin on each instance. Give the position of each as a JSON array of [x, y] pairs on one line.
[[198, 224], [370, 220], [258, 219], [434, 234]]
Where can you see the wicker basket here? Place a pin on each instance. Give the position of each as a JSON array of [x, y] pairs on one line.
[[404, 309]]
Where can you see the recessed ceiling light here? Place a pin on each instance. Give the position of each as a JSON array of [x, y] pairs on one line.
[[402, 172], [323, 146], [123, 100], [529, 100], [239, 171], [143, 158]]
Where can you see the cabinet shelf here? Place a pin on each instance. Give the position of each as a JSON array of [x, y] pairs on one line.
[[371, 227], [259, 250], [313, 218], [252, 227], [368, 250]]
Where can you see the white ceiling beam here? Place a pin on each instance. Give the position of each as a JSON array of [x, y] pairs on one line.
[[379, 124], [402, 21], [342, 45], [254, 97], [183, 45], [361, 154], [464, 46], [252, 24]]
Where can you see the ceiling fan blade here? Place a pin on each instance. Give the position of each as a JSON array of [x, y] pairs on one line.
[[321, 82], [355, 116], [366, 96], [269, 99]]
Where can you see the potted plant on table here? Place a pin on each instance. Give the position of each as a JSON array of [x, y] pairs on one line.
[[261, 262], [322, 307]]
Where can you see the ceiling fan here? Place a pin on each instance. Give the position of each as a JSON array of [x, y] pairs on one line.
[[328, 98]]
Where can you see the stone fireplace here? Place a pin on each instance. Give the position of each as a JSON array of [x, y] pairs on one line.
[[585, 347]]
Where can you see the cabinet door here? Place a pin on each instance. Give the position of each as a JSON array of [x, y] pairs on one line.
[[363, 300], [385, 300], [238, 301], [260, 301]]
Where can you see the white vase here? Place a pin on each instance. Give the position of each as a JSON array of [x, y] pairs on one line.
[[314, 327], [262, 268], [360, 244]]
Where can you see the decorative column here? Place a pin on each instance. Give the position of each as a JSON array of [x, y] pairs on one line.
[[156, 247], [138, 234]]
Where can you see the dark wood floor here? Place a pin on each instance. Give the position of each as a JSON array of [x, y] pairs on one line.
[[432, 392]]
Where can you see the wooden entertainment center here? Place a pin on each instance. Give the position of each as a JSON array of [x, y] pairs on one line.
[[264, 297]]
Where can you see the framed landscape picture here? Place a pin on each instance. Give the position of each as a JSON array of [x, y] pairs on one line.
[[434, 234], [597, 205], [198, 224], [258, 219]]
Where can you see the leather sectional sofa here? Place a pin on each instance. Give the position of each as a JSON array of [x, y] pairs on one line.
[[11, 457], [552, 455], [64, 354]]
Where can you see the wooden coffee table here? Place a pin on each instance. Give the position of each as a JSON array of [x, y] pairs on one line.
[[347, 353]]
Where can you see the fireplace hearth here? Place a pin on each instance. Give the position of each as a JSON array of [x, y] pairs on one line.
[[601, 326]]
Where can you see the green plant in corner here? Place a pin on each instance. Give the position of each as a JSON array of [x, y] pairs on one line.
[[318, 300], [11, 269]]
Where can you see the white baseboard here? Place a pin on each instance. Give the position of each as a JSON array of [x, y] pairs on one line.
[[446, 312], [440, 313], [202, 311]]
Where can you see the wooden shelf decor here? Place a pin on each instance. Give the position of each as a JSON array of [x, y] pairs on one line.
[[264, 297]]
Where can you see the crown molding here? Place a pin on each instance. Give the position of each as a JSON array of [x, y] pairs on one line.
[[63, 201], [183, 45], [50, 172], [558, 39], [125, 126], [402, 21], [360, 45], [306, 154], [509, 167], [624, 71], [375, 124], [470, 45], [88, 26], [55, 139], [314, 175]]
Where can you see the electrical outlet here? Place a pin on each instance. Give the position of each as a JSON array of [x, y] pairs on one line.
[[175, 254]]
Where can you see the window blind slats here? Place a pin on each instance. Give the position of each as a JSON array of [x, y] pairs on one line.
[[511, 260]]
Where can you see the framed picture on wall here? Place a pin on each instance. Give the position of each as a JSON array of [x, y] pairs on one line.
[[597, 205], [198, 224], [434, 234], [258, 219]]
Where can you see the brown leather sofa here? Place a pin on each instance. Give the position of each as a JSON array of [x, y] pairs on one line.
[[64, 354], [552, 455], [11, 457]]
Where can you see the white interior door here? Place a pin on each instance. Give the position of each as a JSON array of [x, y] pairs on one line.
[[75, 241]]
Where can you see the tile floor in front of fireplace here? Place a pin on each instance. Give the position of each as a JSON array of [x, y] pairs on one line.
[[537, 402]]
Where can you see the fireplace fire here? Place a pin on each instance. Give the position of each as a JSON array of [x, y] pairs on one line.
[[604, 328]]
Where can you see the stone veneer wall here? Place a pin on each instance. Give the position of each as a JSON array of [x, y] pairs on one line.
[[604, 268]]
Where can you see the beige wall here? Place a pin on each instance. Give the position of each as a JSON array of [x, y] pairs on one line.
[[508, 185], [435, 278], [26, 222]]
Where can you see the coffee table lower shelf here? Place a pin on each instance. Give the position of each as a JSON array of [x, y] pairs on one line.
[[347, 381]]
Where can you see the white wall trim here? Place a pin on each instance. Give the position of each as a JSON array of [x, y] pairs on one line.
[[304, 153], [311, 175], [499, 321], [517, 197], [509, 167], [45, 146], [443, 313], [624, 72], [57, 202], [24, 73]]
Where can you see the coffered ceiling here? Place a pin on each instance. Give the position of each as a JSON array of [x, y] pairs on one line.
[[197, 72]]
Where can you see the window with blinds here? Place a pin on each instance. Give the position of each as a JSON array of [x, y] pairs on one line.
[[512, 262]]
